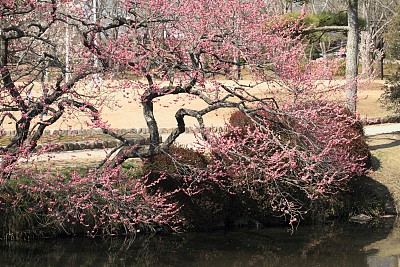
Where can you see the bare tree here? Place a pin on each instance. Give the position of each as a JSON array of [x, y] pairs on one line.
[[351, 48], [352, 55], [377, 15]]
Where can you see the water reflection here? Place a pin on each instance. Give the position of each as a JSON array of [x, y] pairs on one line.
[[387, 250], [334, 245]]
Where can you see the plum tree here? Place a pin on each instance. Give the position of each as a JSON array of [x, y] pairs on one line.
[[189, 50]]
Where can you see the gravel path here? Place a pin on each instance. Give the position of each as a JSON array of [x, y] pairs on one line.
[[382, 128]]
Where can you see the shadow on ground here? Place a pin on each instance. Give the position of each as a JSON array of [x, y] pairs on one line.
[[382, 182], [368, 196], [375, 163], [384, 141]]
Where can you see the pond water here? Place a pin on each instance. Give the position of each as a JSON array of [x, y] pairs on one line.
[[334, 245]]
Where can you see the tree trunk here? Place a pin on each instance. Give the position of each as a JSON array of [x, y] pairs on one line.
[[148, 114], [352, 55], [380, 48], [236, 68], [366, 48], [380, 68], [322, 45]]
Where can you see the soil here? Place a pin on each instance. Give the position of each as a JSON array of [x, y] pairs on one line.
[[125, 113]]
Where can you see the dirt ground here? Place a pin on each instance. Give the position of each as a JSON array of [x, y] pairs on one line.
[[127, 114], [130, 114]]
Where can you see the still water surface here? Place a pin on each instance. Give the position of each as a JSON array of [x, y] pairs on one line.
[[335, 245]]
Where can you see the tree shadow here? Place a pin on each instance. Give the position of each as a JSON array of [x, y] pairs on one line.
[[389, 142], [372, 193], [375, 163], [395, 142], [370, 197]]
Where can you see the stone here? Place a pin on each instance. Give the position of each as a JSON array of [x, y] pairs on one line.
[[64, 147], [91, 145], [112, 143], [98, 145], [361, 218], [76, 146]]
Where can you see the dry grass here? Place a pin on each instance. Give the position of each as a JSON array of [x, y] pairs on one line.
[[369, 105], [385, 149]]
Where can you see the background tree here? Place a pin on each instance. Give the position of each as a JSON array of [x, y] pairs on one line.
[[352, 55], [391, 97], [377, 15], [392, 37], [352, 50]]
